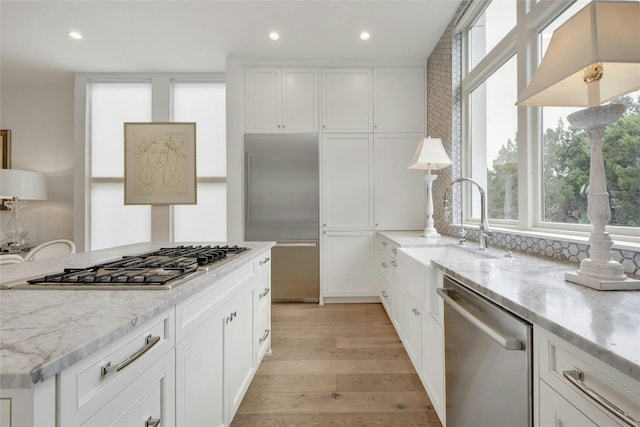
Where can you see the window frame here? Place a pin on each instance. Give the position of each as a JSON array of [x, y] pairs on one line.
[[523, 41], [162, 110]]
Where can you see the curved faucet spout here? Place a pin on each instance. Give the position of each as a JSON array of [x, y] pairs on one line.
[[485, 233]]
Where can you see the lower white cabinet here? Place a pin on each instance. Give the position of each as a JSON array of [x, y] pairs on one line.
[[146, 401], [559, 401], [347, 264]]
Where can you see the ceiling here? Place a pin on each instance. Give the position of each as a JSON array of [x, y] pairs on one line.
[[197, 36]]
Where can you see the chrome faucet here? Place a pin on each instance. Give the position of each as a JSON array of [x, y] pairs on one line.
[[485, 233]]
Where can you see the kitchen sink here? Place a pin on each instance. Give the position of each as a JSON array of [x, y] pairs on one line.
[[427, 253]]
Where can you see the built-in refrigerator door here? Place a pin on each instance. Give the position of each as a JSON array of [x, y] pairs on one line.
[[281, 187]]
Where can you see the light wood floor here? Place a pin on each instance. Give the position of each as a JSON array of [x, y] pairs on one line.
[[335, 365]]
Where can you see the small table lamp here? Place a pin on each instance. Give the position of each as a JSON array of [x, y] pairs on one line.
[[19, 185], [430, 155], [593, 58]]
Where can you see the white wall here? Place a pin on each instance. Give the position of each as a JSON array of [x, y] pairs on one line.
[[40, 117]]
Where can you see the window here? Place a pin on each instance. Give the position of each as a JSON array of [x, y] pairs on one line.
[[114, 101], [552, 178]]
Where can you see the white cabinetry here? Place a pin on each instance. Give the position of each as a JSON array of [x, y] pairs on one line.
[[419, 320], [347, 100], [129, 380], [347, 264], [281, 100], [365, 100], [559, 401], [347, 182], [399, 99], [385, 272]]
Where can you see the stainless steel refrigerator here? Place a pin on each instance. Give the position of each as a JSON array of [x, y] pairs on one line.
[[282, 186]]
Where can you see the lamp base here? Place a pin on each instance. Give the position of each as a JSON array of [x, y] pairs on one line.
[[431, 232], [626, 284]]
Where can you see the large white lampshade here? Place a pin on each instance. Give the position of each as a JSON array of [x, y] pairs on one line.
[[19, 185], [430, 155], [592, 58]]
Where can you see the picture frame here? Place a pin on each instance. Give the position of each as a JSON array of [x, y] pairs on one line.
[[5, 153], [160, 163]]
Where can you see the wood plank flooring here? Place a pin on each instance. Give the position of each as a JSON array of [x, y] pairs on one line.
[[335, 365]]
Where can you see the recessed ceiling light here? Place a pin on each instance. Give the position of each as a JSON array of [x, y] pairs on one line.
[[364, 35], [274, 36], [75, 35]]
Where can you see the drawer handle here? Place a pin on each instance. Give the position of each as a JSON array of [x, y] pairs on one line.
[[149, 342], [395, 251], [265, 293], [395, 264], [384, 265], [384, 243], [152, 422], [265, 336], [384, 294], [264, 261], [576, 377]]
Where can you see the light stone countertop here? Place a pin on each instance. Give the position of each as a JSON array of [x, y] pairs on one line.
[[44, 331], [605, 324]]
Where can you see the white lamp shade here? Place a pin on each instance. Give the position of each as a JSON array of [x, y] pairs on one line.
[[430, 154], [22, 184], [604, 32]]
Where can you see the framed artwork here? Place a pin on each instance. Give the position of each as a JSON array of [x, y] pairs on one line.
[[160, 164], [5, 152]]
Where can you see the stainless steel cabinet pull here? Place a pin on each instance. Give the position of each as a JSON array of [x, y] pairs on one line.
[[384, 294], [150, 341], [152, 422], [384, 265], [384, 243], [395, 251], [248, 201], [264, 261], [297, 245], [265, 336], [395, 264], [509, 343], [576, 377], [265, 293]]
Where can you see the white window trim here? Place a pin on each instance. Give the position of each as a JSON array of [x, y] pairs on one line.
[[523, 40]]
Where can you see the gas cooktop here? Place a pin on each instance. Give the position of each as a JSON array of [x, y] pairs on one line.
[[161, 269]]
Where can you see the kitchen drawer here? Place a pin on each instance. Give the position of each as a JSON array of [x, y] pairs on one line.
[[386, 266], [556, 357], [196, 310], [262, 338], [557, 411], [385, 295], [388, 246], [95, 380]]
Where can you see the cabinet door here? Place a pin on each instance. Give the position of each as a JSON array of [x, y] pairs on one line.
[[149, 397], [412, 330], [399, 99], [300, 100], [399, 192], [263, 100], [238, 348], [347, 100], [347, 182], [432, 373], [199, 376], [347, 264]]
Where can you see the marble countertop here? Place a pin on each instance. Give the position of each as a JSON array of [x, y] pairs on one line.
[[605, 324], [44, 331]]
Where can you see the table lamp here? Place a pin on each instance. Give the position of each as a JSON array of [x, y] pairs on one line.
[[593, 58], [19, 185], [430, 155]]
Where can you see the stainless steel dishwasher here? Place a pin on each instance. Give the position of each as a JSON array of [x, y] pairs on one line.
[[488, 371]]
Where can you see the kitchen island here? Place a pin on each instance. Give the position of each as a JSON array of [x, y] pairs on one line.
[[46, 334]]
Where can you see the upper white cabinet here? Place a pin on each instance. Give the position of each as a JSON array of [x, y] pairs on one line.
[[399, 191], [399, 99], [362, 100], [347, 100], [281, 100]]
